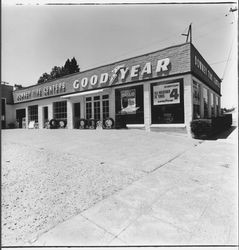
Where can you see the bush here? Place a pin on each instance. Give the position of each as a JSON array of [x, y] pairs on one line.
[[204, 128], [222, 122], [11, 125], [201, 128]]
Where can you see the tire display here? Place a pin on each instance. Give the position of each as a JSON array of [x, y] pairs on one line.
[[92, 123], [99, 124], [53, 124], [62, 124], [109, 123], [82, 123]]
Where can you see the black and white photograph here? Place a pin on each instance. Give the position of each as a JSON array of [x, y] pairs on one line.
[[119, 124]]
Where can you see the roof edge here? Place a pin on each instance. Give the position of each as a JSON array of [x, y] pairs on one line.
[[105, 65]]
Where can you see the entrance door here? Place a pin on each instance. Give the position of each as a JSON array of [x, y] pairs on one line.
[[45, 115], [20, 114], [77, 114], [97, 107]]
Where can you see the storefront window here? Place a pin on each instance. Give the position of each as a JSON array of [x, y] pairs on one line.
[[60, 110], [212, 105], [33, 113], [196, 100], [88, 107], [105, 104], [129, 104], [217, 106], [205, 101], [97, 108], [167, 102]]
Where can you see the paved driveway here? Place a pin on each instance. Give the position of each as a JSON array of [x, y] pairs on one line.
[[116, 187], [50, 175]]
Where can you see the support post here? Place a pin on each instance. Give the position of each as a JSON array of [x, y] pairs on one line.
[[147, 107], [69, 114]]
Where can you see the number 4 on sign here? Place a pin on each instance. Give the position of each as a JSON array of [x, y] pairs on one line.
[[174, 94]]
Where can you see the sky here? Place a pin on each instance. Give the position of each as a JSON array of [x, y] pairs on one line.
[[37, 37]]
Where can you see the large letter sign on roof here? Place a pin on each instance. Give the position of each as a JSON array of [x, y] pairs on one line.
[[162, 65]]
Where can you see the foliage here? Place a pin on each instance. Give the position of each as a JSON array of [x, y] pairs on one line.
[[201, 127], [204, 128], [69, 67], [18, 86]]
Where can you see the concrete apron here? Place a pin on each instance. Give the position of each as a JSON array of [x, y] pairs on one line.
[[191, 200]]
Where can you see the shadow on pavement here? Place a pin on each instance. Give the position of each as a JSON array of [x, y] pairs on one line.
[[223, 135]]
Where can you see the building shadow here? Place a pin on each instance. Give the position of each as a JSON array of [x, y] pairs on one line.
[[223, 135]]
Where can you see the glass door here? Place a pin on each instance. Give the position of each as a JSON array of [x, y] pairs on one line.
[[97, 107]]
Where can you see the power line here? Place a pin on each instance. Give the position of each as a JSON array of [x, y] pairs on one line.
[[223, 61], [169, 37], [229, 55]]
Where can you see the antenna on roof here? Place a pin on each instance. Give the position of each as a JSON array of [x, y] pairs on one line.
[[189, 34]]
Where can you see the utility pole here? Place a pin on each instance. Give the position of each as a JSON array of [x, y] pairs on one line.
[[189, 34]]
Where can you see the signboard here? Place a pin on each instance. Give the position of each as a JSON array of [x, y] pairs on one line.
[[121, 72], [128, 101], [167, 62], [31, 124], [166, 94], [38, 92], [203, 71]]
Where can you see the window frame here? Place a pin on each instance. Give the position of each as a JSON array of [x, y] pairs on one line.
[[60, 112], [32, 114], [92, 101], [180, 106]]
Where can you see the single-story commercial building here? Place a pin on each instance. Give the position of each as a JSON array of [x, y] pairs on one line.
[[165, 89]]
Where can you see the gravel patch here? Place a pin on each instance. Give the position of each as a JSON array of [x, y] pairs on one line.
[[41, 188], [49, 176]]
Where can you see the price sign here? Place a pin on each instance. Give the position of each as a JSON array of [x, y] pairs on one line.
[[166, 94]]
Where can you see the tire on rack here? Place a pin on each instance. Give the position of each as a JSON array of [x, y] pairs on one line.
[[82, 123], [92, 123], [62, 123], [53, 124], [108, 123]]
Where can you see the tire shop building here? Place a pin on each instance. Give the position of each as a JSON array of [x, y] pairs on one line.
[[162, 90]]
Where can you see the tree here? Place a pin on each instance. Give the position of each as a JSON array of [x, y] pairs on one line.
[[56, 72], [44, 78], [74, 66], [69, 67]]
